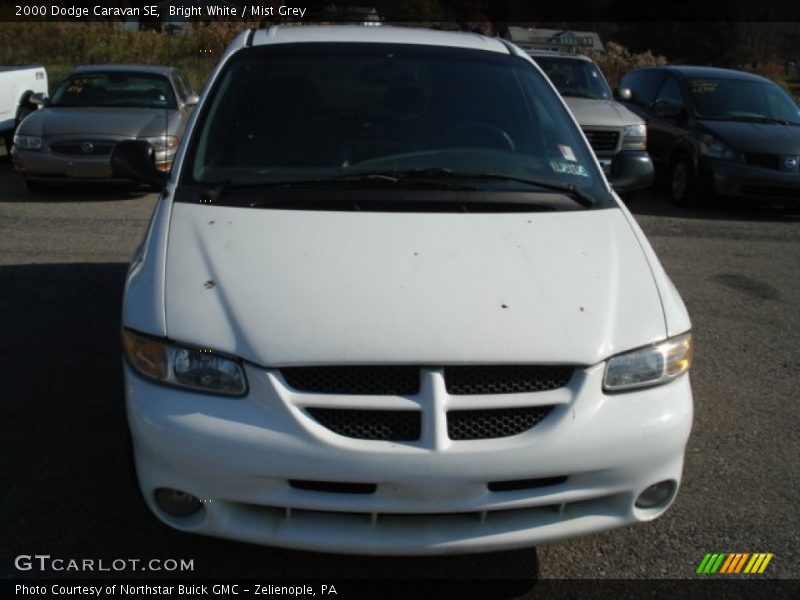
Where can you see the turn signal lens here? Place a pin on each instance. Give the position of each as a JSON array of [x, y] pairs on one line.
[[190, 368], [146, 355]]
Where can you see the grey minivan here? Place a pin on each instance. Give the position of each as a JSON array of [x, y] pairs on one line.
[[72, 135]]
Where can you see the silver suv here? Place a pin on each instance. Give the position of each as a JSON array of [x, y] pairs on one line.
[[615, 133]]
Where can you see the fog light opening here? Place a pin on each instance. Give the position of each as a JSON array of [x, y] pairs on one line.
[[656, 495], [176, 502]]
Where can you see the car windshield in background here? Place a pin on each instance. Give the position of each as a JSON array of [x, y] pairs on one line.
[[290, 113], [737, 99], [115, 89], [575, 77]]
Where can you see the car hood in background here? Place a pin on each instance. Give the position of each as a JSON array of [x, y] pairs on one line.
[[88, 121], [765, 138], [295, 287], [601, 113]]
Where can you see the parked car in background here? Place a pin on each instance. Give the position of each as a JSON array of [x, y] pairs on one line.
[[718, 131], [616, 134], [17, 85], [71, 138], [388, 304]]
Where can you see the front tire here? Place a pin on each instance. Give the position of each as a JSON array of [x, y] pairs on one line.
[[23, 110], [35, 186], [683, 182]]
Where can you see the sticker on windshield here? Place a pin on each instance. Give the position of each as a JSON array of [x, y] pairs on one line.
[[568, 168], [567, 153]]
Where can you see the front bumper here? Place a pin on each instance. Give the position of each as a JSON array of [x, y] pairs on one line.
[[41, 164], [729, 178], [630, 170], [432, 496], [45, 165]]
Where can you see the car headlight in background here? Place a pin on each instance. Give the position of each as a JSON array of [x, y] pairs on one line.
[[714, 148], [653, 365], [164, 146], [191, 368], [28, 142], [634, 137], [162, 143]]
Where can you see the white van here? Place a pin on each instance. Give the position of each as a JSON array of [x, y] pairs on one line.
[[389, 304]]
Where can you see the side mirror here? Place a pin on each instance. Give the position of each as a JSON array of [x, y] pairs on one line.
[[135, 159], [631, 171], [39, 99], [623, 94], [192, 100]]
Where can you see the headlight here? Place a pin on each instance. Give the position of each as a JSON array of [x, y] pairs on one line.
[[653, 365], [714, 148], [634, 137], [28, 142], [162, 143], [193, 368]]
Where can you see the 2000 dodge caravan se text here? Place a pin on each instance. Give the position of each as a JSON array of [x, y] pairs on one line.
[[389, 304]]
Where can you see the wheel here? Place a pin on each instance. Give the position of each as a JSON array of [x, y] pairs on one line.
[[477, 134], [682, 182], [23, 111], [34, 185]]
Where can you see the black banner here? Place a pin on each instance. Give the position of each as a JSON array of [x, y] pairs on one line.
[[378, 589]]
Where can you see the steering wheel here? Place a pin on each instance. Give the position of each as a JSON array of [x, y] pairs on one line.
[[477, 134]]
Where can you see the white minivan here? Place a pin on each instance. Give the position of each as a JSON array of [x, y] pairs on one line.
[[389, 304]]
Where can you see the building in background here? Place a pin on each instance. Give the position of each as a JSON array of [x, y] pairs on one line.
[[529, 38]]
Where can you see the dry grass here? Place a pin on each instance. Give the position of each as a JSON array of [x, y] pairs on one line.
[[62, 46], [617, 60]]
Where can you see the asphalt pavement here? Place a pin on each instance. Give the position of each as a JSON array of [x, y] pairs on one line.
[[68, 490]]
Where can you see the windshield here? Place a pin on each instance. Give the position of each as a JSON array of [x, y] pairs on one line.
[[306, 112], [733, 99], [115, 89], [575, 77]]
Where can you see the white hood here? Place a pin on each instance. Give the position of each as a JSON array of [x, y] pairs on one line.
[[601, 113], [292, 287]]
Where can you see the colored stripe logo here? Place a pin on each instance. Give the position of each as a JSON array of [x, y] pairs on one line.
[[734, 562]]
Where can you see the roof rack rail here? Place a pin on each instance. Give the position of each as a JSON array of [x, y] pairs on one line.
[[372, 19]]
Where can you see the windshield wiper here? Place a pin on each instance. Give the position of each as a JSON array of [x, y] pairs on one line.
[[424, 178], [567, 189], [360, 180]]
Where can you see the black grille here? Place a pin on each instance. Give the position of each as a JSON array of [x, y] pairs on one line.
[[765, 161], [602, 141], [77, 148], [388, 425], [333, 487], [524, 484], [506, 379], [494, 423], [377, 381]]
